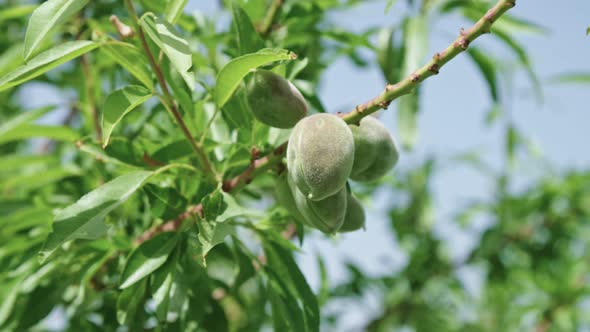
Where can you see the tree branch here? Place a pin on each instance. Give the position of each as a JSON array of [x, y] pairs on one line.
[[169, 102], [261, 165], [408, 84]]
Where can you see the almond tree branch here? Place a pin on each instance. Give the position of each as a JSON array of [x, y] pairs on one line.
[[169, 102], [261, 165], [407, 85]]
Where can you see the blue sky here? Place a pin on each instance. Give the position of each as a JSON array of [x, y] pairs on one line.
[[451, 121]]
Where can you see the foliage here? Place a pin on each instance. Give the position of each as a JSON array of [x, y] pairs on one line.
[[147, 201]]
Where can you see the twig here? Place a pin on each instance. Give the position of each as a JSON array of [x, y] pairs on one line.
[[169, 102], [392, 92], [408, 84]]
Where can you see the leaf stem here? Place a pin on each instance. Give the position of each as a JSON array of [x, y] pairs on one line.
[[168, 101], [270, 17]]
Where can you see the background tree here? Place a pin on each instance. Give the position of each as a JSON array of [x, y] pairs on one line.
[[151, 205]]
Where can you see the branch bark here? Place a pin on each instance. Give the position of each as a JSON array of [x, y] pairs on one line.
[[391, 93], [169, 102]]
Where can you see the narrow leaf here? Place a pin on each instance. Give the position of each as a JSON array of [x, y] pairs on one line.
[[46, 17], [58, 133], [22, 119], [118, 104], [249, 40], [233, 72], [407, 119], [84, 219], [174, 9], [173, 45], [147, 258], [46, 61], [487, 68]]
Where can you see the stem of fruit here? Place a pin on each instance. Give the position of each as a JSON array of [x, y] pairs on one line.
[[391, 92], [168, 101], [409, 84]]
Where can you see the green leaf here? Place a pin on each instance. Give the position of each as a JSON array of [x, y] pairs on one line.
[[174, 9], [84, 219], [22, 119], [407, 119], [130, 304], [388, 6], [213, 205], [173, 45], [58, 133], [249, 40], [118, 104], [147, 258], [416, 43], [46, 61], [161, 286], [8, 296], [233, 72], [487, 68], [46, 17], [576, 78], [132, 59], [212, 233], [281, 262], [16, 11], [11, 58]]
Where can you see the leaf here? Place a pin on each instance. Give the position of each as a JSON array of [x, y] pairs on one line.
[[132, 59], [118, 104], [16, 11], [282, 263], [58, 133], [388, 6], [46, 17], [407, 119], [212, 233], [416, 43], [130, 304], [161, 285], [46, 61], [8, 296], [11, 58], [233, 72], [84, 219], [249, 40], [174, 9], [24, 118], [576, 78], [487, 68], [173, 45], [147, 258], [213, 205]]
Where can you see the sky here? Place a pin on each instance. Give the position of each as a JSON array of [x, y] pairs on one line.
[[451, 121]]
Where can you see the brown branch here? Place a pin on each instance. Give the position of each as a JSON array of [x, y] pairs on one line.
[[169, 103], [409, 84], [391, 92]]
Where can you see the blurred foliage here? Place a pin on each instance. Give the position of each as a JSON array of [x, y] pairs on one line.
[[73, 206]]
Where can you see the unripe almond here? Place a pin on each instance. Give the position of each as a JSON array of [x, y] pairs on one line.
[[355, 215], [320, 155], [274, 100]]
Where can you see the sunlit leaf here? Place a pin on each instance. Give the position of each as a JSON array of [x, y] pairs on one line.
[[131, 58], [84, 219], [46, 17], [234, 71]]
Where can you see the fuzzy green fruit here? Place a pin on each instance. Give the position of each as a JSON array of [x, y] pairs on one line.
[[355, 215], [376, 152], [327, 214], [274, 100], [320, 155], [285, 198]]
